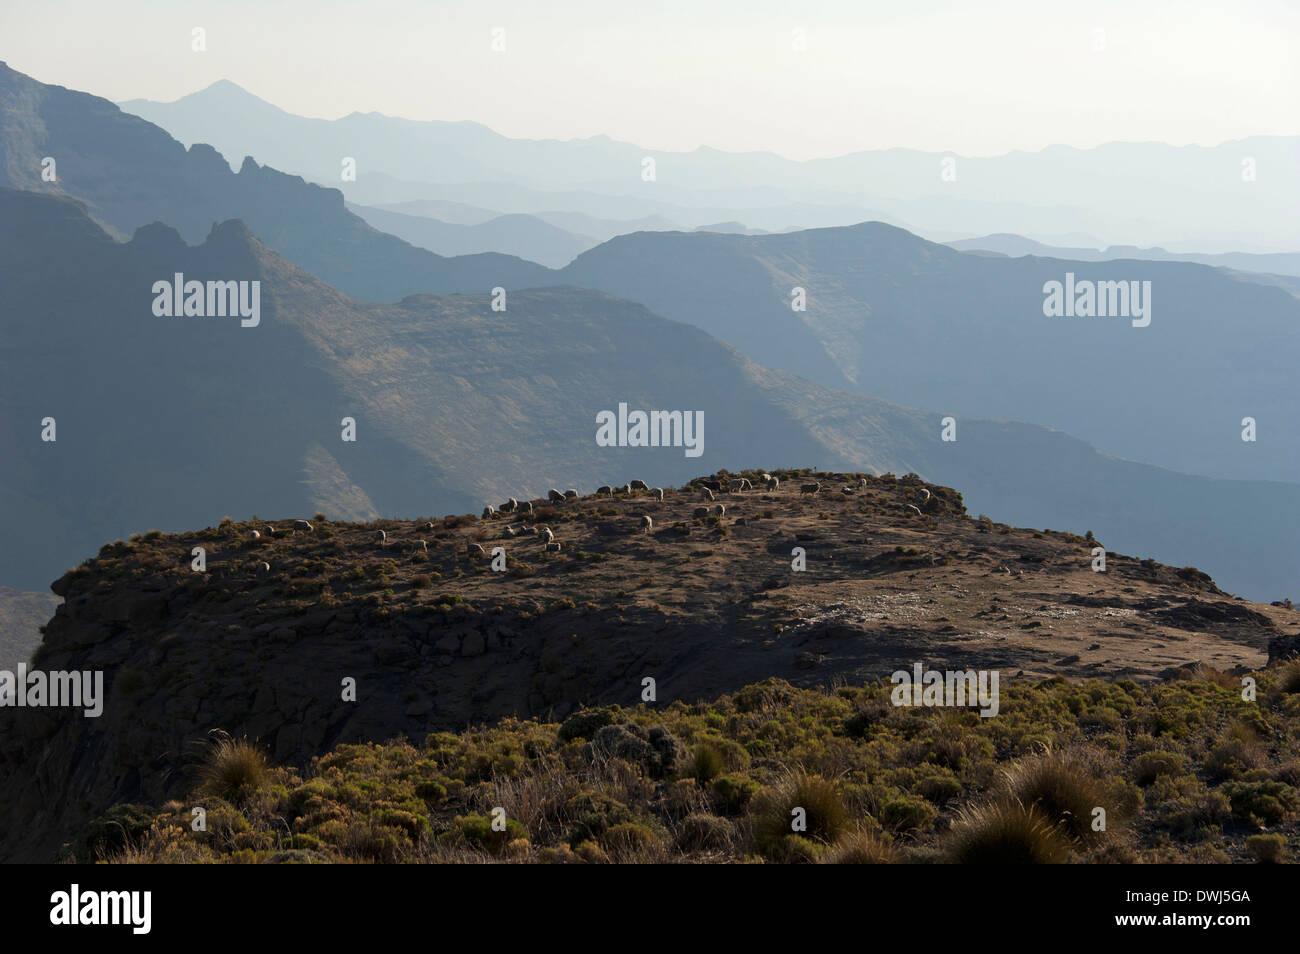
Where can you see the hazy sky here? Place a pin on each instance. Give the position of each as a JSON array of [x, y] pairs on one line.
[[973, 78]]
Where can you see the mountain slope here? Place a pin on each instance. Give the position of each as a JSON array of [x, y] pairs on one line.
[[525, 236], [130, 173], [901, 318]]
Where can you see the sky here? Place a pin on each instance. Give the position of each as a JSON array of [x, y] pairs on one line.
[[975, 79]]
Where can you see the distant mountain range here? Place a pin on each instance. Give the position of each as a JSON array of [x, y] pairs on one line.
[[1237, 195], [1017, 246], [526, 236], [130, 173]]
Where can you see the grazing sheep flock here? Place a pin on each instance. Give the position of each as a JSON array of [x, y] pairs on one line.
[[708, 490]]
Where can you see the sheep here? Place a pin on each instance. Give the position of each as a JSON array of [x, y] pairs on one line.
[[546, 535], [706, 494], [269, 530], [571, 494], [639, 485], [926, 498], [701, 511], [810, 488], [765, 477], [423, 546], [741, 484], [862, 483], [382, 537], [720, 510], [509, 506], [915, 509], [604, 491], [304, 526], [475, 550], [489, 511], [526, 507], [773, 483], [264, 568], [554, 496], [647, 524], [627, 489], [428, 525], [254, 535], [553, 548], [658, 493], [508, 532]]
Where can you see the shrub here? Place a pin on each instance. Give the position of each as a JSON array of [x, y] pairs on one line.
[[1261, 803], [907, 812], [734, 793], [702, 832], [478, 830], [1267, 849], [860, 848], [234, 770], [1061, 789], [773, 810], [584, 723], [704, 764], [1149, 766], [1003, 832]]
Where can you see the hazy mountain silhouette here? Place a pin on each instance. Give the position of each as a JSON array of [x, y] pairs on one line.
[[1016, 246], [130, 173], [1144, 192], [525, 236], [895, 316]]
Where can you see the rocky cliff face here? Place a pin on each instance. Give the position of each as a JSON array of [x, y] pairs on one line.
[[301, 640]]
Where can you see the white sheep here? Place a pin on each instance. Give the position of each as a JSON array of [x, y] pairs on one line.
[[553, 548], [382, 537], [926, 498], [571, 494], [639, 485], [269, 530], [647, 524], [554, 495], [604, 491], [475, 550], [810, 488], [701, 511], [264, 568], [720, 510], [915, 509], [489, 511], [254, 535], [304, 526], [774, 483], [658, 493], [706, 494], [546, 535]]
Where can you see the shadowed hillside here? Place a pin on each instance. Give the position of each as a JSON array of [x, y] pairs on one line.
[[261, 643]]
